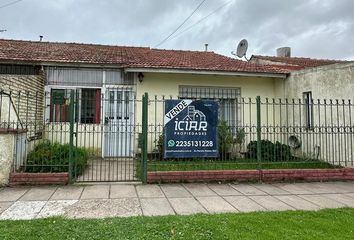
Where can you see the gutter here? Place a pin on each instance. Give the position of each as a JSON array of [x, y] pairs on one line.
[[224, 73], [146, 70]]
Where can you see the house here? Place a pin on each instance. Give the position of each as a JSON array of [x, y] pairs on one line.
[[123, 73], [312, 78], [106, 84]]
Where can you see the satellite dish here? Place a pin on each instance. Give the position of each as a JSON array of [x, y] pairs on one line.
[[242, 48]]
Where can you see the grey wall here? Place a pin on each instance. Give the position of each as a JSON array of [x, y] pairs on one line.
[[335, 81]]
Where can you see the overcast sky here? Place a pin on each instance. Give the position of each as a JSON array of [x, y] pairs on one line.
[[312, 28]]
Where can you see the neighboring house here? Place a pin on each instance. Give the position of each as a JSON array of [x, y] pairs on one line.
[[312, 78], [324, 89]]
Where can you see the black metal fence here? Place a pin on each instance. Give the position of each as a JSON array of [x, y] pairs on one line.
[[263, 133], [97, 135], [85, 132]]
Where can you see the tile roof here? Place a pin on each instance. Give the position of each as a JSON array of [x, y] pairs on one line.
[[130, 57], [299, 62]]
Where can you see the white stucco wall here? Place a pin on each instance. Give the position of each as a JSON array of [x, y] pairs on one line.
[[6, 157], [335, 81], [332, 82]]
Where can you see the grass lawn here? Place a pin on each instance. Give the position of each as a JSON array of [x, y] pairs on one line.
[[241, 164], [325, 224]]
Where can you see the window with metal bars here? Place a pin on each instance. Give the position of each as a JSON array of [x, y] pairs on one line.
[[228, 98], [89, 104], [308, 109]]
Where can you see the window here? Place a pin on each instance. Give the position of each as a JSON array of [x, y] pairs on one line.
[[59, 105], [308, 109], [88, 105], [228, 99]]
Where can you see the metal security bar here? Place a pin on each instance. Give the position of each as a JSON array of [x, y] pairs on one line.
[[110, 134], [262, 133], [90, 133]]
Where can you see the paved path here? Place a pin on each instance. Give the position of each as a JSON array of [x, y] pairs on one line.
[[118, 200]]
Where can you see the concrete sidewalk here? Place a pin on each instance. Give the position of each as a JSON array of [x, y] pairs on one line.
[[121, 200]]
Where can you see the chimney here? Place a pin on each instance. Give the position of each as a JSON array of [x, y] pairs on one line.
[[284, 52], [40, 38], [206, 47]]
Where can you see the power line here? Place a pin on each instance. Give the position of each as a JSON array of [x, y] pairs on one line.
[[196, 9], [202, 19], [10, 3]]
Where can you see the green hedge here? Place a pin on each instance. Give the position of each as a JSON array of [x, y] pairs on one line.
[[54, 157], [269, 151]]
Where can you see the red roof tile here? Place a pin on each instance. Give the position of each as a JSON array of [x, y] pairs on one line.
[[300, 62], [131, 57]]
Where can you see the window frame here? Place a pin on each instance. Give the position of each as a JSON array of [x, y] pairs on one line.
[[216, 96], [97, 115], [308, 110], [78, 93]]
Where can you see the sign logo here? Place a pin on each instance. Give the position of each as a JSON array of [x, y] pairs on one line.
[[171, 143], [190, 129]]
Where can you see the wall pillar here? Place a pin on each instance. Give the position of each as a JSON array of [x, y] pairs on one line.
[[7, 148]]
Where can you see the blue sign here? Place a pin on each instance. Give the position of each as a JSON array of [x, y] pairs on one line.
[[190, 129]]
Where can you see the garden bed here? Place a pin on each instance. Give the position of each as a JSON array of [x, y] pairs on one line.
[[17, 179], [237, 164], [244, 170], [48, 163], [267, 175]]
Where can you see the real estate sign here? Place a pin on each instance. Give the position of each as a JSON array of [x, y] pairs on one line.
[[190, 129]]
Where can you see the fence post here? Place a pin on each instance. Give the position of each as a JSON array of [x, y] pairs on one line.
[[144, 147], [259, 136], [71, 134]]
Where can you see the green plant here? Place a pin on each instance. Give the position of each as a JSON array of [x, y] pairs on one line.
[[240, 136], [159, 145], [225, 138], [269, 151], [54, 157]]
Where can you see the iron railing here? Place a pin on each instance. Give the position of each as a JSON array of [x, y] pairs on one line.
[[116, 136], [263, 133]]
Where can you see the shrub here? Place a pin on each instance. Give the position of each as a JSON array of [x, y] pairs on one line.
[[159, 145], [54, 157], [225, 138], [269, 151]]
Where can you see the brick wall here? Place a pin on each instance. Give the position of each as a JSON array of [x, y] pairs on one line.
[[17, 179], [279, 175], [27, 97]]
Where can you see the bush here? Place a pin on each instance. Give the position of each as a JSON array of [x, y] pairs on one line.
[[54, 157], [269, 151], [225, 138]]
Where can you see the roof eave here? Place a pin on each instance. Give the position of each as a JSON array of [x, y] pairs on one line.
[[206, 72], [61, 64]]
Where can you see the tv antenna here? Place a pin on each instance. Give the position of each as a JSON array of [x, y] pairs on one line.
[[241, 49]]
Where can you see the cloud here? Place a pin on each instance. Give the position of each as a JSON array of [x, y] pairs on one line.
[[313, 28]]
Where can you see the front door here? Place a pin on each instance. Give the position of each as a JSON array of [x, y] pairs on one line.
[[119, 122]]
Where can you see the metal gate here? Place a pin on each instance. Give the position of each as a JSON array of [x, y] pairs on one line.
[[107, 133]]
